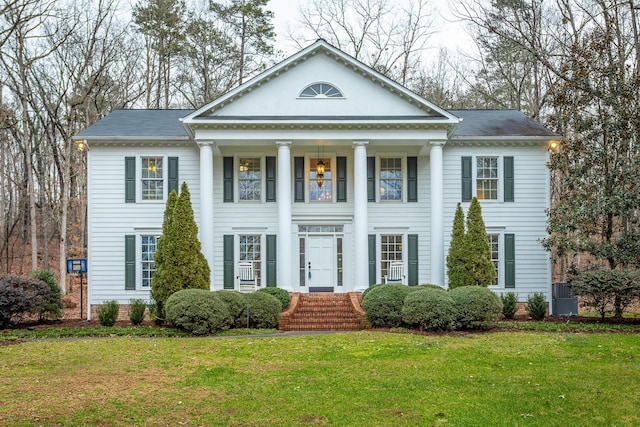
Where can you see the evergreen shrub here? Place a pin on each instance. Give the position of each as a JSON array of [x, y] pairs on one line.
[[137, 308], [108, 313], [476, 307], [21, 297], [51, 309], [235, 303], [282, 295], [430, 310], [383, 304], [607, 291], [366, 291], [264, 310], [509, 304], [536, 306], [198, 311], [429, 286]]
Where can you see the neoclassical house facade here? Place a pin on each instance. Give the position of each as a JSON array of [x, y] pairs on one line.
[[321, 172]]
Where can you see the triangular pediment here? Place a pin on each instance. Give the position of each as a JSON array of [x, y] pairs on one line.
[[278, 94]]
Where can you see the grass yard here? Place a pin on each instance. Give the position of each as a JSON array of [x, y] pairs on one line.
[[342, 379]]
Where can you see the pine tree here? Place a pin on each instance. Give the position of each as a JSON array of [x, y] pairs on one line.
[[477, 249], [179, 263], [458, 274]]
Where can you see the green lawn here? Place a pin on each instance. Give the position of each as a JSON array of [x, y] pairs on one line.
[[345, 379]]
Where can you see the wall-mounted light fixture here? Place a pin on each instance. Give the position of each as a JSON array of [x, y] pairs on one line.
[[554, 145]]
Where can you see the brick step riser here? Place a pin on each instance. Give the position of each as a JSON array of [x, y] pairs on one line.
[[324, 312]]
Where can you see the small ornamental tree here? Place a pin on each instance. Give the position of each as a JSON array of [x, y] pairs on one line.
[[458, 274], [179, 263], [477, 249]]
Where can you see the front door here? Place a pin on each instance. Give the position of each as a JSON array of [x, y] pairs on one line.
[[321, 270]]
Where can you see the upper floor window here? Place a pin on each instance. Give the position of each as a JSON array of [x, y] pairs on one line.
[[321, 90], [487, 178], [391, 178], [320, 180], [152, 178], [250, 179]]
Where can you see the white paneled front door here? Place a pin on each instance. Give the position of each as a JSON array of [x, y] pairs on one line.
[[321, 258]]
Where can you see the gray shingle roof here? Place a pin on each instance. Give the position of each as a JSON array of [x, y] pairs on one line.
[[138, 124], [498, 123], [166, 124]]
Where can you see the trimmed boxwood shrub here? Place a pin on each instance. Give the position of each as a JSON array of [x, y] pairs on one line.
[[430, 310], [430, 286], [51, 309], [197, 311], [108, 313], [264, 310], [21, 297], [137, 308], [282, 295], [366, 291], [509, 304], [536, 306], [476, 307], [383, 304], [235, 303]]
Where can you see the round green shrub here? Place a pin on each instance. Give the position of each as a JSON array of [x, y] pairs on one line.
[[536, 306], [235, 303], [430, 286], [264, 310], [509, 304], [21, 297], [51, 309], [197, 311], [282, 295], [430, 310], [108, 313], [137, 308], [476, 307], [366, 291], [383, 305]]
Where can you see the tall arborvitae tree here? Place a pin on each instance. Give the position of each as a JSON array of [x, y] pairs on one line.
[[476, 247], [179, 264], [458, 274]]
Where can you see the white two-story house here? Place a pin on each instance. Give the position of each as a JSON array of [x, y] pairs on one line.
[[320, 171]]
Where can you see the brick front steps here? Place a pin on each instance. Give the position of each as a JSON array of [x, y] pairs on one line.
[[323, 312]]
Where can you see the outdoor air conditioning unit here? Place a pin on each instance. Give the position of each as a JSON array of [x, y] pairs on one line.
[[563, 301]]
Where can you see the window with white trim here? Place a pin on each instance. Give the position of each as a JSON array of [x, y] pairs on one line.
[[250, 179], [149, 244], [320, 185], [152, 178], [487, 178], [321, 90], [250, 250], [390, 250], [494, 244], [391, 178]]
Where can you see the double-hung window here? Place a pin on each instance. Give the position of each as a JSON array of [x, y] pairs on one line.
[[494, 244], [149, 244], [152, 178], [487, 178], [320, 183], [250, 179], [250, 251], [390, 250], [391, 178]]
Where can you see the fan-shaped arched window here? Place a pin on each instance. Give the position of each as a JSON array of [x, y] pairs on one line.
[[321, 90]]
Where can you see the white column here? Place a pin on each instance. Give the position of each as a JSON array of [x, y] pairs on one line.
[[437, 206], [206, 203], [360, 215], [285, 255]]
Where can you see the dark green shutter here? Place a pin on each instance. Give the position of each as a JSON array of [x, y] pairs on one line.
[[270, 164], [228, 281], [413, 260], [508, 179], [371, 179], [341, 179], [271, 260], [130, 179], [412, 179], [173, 174], [227, 178], [130, 262], [509, 261], [298, 175], [466, 179], [372, 259]]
